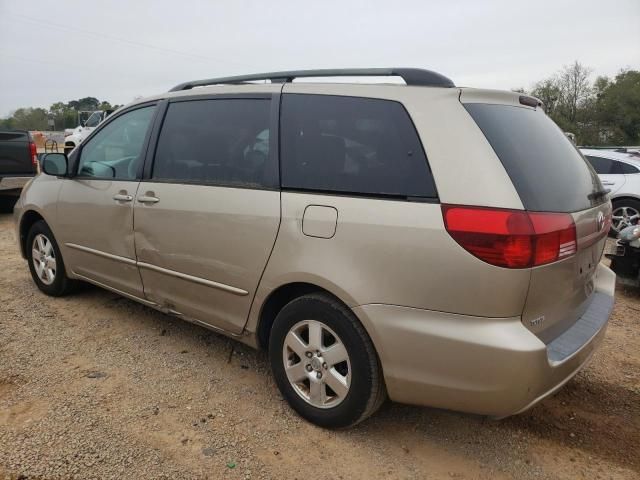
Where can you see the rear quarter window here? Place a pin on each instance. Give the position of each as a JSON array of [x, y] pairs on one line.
[[628, 169], [548, 172], [352, 145], [602, 166]]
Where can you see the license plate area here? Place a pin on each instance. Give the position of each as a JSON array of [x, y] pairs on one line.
[[586, 262]]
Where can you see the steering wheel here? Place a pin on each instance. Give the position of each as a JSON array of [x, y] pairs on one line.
[[104, 164]]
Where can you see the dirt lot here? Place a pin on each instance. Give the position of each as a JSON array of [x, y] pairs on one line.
[[96, 386]]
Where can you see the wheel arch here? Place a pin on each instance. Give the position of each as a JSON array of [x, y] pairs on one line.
[[28, 219], [277, 299], [626, 196]]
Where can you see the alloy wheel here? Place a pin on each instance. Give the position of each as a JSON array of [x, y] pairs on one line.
[[623, 217], [43, 257], [317, 364]]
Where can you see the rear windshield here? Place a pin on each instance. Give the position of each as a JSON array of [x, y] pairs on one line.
[[548, 172]]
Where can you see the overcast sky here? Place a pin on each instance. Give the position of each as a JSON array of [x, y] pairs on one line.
[[120, 49]]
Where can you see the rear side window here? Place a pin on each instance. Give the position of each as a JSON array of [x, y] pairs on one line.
[[352, 145], [628, 169], [602, 166], [219, 142], [606, 166], [548, 172]]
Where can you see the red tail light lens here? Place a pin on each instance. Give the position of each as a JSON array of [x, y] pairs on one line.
[[511, 238], [555, 236], [33, 151]]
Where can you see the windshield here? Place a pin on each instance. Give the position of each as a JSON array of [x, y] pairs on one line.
[[94, 119]]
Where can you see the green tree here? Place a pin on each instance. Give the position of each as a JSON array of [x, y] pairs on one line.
[[575, 90], [603, 112], [30, 119], [548, 92], [86, 103], [64, 115], [618, 108]]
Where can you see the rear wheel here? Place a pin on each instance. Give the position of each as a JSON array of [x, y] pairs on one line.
[[45, 261], [324, 362], [626, 212]]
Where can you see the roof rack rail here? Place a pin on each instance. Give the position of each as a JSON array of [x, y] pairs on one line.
[[411, 76]]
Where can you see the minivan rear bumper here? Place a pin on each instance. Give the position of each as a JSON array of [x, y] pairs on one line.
[[487, 366]]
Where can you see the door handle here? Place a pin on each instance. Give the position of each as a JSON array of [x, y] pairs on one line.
[[608, 183], [148, 199], [122, 197]]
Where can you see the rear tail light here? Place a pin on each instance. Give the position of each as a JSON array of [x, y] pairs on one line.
[[511, 238], [33, 151]]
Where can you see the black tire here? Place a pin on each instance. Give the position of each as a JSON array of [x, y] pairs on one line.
[[624, 202], [61, 285], [7, 202], [366, 392]]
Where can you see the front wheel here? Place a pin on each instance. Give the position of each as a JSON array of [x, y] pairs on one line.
[[45, 261], [324, 363]]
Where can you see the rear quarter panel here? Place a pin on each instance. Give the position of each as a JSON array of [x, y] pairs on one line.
[[387, 252], [631, 187]]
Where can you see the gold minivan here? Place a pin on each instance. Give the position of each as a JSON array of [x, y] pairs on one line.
[[434, 244]]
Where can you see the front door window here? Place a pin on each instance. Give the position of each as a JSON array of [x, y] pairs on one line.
[[114, 153]]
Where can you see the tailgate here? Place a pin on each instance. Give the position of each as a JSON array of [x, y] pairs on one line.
[[560, 293], [15, 154]]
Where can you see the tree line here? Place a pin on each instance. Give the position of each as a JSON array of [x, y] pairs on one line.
[[605, 111], [64, 115]]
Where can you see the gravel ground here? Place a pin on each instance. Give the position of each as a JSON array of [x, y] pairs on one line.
[[97, 386]]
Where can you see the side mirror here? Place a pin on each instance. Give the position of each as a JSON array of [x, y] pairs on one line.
[[55, 164]]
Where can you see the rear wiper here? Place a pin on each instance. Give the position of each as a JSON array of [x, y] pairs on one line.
[[599, 193]]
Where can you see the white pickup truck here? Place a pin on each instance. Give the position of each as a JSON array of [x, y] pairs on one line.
[[74, 137]]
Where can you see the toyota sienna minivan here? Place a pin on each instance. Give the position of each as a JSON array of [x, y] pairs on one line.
[[432, 244]]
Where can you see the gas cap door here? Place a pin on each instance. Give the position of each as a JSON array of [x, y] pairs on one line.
[[319, 221]]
